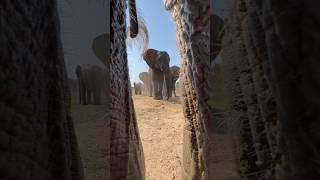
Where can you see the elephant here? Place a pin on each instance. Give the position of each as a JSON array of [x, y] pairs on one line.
[[270, 61], [269, 58], [145, 77], [91, 80], [137, 88], [158, 62], [100, 48], [272, 113], [78, 73], [174, 73], [37, 136], [126, 152]]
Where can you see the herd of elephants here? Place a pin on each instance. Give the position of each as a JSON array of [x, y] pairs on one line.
[[158, 83], [270, 62]]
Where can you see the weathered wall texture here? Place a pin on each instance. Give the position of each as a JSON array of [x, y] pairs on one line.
[[126, 154], [193, 25]]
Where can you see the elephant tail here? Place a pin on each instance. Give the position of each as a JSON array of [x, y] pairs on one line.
[[142, 39]]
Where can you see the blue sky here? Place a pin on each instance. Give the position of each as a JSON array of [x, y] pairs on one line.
[[83, 20], [162, 36]]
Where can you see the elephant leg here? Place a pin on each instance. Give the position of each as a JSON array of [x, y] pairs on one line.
[[155, 86], [150, 90], [88, 97], [174, 89], [97, 97], [160, 87], [155, 91], [79, 88], [83, 95], [169, 90], [169, 86], [156, 94]]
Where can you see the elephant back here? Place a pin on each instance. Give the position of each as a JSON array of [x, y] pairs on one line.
[[144, 77]]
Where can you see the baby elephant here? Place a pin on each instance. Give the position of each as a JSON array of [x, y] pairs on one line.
[[174, 73]]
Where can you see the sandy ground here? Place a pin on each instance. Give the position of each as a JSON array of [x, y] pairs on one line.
[[90, 125], [161, 129]]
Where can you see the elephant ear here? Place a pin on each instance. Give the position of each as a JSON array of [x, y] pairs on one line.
[[150, 56], [100, 47], [163, 60]]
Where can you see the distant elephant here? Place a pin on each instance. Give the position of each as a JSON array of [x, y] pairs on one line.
[[145, 77], [174, 73], [271, 56], [269, 46], [137, 88], [37, 136], [78, 73], [91, 83], [158, 61]]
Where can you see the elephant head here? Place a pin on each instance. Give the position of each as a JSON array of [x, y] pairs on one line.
[[174, 73], [100, 47], [158, 61]]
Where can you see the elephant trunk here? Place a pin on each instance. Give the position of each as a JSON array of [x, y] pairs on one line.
[[167, 83]]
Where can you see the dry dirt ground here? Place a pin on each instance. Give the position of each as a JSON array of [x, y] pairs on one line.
[[161, 129], [160, 126], [90, 125]]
